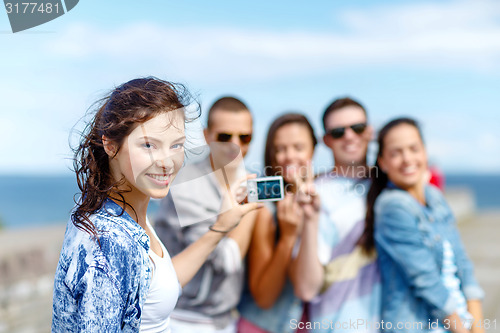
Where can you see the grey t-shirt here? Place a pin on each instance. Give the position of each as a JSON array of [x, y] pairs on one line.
[[192, 205]]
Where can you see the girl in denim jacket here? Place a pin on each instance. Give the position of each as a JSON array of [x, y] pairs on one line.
[[114, 274], [428, 282]]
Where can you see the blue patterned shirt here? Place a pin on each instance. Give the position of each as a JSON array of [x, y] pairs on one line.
[[102, 286]]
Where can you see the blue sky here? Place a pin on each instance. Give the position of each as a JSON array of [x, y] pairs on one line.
[[438, 61]]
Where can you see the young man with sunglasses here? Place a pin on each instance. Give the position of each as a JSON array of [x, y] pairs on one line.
[[208, 303], [341, 284]]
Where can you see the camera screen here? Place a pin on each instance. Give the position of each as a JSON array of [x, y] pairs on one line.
[[269, 189]]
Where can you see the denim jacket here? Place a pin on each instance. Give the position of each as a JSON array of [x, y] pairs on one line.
[[102, 286], [409, 241]]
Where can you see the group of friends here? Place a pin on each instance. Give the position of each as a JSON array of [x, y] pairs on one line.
[[358, 248]]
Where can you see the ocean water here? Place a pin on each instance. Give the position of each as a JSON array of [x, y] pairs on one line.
[[486, 188], [36, 200], [41, 200]]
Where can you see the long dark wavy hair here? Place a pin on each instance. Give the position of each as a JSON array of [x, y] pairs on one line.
[[270, 168], [379, 180], [116, 116]]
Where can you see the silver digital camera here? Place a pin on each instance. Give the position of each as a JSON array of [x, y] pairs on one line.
[[265, 189]]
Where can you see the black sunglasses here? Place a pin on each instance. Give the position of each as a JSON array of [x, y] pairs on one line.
[[226, 137], [339, 132]]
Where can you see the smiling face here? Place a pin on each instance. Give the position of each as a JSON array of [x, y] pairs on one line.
[[350, 149], [294, 151], [150, 156], [404, 158]]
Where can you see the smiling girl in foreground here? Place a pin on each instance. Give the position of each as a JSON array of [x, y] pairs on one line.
[[113, 273]]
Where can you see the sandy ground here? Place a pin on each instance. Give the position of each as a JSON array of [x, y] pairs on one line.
[[480, 234], [481, 237]]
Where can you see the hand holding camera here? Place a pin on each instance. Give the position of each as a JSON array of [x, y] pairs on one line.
[[231, 209]]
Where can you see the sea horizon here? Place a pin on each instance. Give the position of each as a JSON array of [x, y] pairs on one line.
[[28, 200]]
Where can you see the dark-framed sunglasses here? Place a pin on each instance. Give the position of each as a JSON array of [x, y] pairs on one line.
[[339, 132], [226, 137]]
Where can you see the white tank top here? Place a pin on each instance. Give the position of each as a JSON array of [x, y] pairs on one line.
[[162, 295]]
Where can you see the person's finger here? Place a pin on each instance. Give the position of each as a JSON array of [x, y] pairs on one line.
[[241, 182], [317, 202], [296, 208], [248, 207], [309, 172], [299, 194], [247, 177], [290, 199], [305, 200], [310, 189], [240, 195], [228, 200], [286, 199], [304, 193], [280, 207], [299, 182], [285, 203], [311, 214]]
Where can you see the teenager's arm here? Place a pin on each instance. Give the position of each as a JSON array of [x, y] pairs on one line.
[[454, 324], [243, 232], [188, 262], [307, 273], [268, 259], [476, 310]]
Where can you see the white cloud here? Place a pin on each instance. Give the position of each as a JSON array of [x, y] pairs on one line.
[[414, 18], [462, 34]]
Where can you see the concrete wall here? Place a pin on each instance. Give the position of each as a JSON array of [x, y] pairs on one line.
[[28, 259], [462, 202]]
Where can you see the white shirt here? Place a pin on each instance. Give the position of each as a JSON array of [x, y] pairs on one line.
[[162, 295], [342, 207]]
